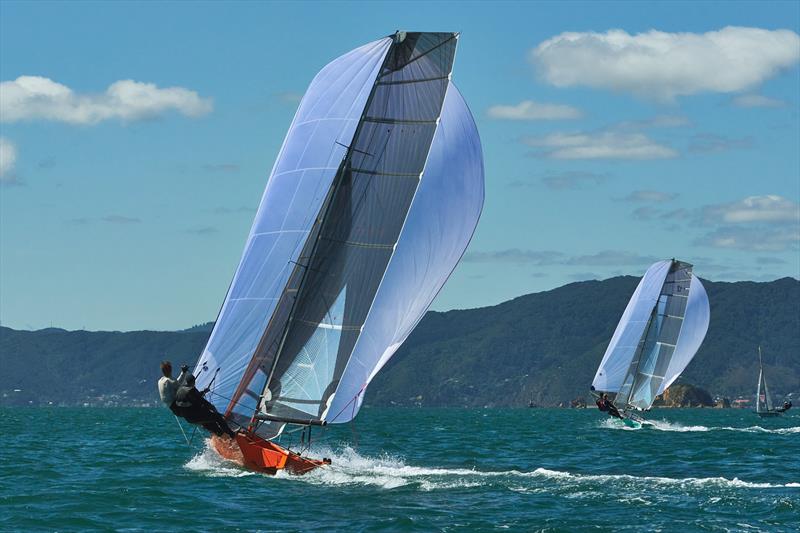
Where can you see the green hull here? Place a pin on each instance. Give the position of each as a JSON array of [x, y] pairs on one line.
[[631, 423]]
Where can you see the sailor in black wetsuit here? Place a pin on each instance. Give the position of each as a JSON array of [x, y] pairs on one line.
[[190, 404], [786, 406], [604, 405]]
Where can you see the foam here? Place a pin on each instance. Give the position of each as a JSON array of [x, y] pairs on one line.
[[691, 481], [208, 462], [390, 472], [663, 425]]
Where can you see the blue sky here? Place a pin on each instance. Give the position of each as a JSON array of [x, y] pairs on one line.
[[126, 196]]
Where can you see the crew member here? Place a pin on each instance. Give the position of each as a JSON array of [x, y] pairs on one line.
[[191, 405], [168, 387], [606, 406]]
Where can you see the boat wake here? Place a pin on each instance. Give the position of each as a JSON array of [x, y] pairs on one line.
[[388, 472], [663, 425]]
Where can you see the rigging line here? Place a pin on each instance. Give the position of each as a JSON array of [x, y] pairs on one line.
[[188, 442]]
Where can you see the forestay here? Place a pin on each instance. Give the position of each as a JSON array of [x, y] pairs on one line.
[[659, 333], [392, 205]]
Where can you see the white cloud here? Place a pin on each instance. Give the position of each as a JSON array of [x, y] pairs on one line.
[[36, 97], [663, 65], [607, 144], [530, 110], [8, 158], [755, 239], [770, 208], [757, 100]]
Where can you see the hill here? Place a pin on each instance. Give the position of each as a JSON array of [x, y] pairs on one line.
[[543, 347]]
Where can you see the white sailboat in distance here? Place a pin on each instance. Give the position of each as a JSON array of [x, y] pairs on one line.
[[764, 405]]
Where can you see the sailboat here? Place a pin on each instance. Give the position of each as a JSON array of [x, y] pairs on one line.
[[764, 407], [659, 333], [370, 205]]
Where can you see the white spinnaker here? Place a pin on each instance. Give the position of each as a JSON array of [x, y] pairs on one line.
[[438, 229], [693, 331], [622, 348]]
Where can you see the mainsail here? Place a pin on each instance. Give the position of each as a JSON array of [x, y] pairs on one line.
[[659, 333], [763, 399], [371, 203]]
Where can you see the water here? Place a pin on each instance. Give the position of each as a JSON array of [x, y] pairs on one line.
[[412, 470]]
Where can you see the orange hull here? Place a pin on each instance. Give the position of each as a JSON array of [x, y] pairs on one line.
[[255, 453]]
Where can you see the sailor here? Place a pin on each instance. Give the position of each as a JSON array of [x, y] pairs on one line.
[[191, 405], [167, 387], [606, 406], [601, 403], [786, 406]]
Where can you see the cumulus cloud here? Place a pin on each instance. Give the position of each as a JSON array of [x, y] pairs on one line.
[[608, 144], [767, 223], [757, 100], [530, 110], [756, 239], [36, 97], [8, 158], [767, 208], [664, 65]]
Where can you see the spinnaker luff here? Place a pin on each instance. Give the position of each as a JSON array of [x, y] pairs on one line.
[[370, 205], [659, 333]]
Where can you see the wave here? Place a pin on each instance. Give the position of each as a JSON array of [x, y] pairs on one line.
[[663, 425]]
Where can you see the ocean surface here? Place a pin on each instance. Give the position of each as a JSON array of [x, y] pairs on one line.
[[408, 470]]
